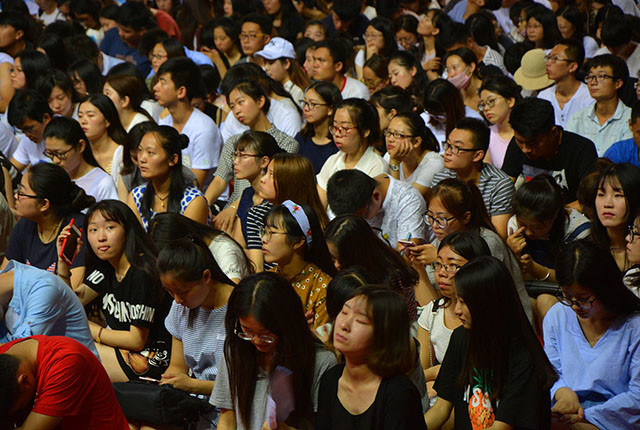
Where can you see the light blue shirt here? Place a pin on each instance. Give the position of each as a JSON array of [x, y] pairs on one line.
[[606, 376], [585, 123], [43, 304], [457, 11]]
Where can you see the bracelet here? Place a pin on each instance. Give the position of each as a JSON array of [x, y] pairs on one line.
[[234, 207], [99, 334], [546, 277]]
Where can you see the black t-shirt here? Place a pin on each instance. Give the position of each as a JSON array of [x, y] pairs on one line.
[[317, 154], [522, 404], [574, 160], [396, 406], [135, 301], [26, 247]]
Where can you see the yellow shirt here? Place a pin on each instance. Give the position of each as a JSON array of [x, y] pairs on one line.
[[311, 285]]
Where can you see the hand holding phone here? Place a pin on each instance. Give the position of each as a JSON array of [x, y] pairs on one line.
[[69, 247], [406, 243]]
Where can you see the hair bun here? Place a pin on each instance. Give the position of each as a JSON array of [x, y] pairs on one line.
[[184, 141]]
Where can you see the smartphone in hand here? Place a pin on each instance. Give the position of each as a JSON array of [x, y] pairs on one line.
[[68, 252]]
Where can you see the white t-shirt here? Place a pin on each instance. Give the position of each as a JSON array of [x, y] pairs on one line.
[[576, 227], [633, 62], [359, 61], [117, 164], [49, 18], [430, 164], [99, 184], [296, 92], [371, 163], [8, 142], [96, 35], [29, 152], [590, 46], [580, 100], [108, 62], [5, 58], [284, 117], [439, 333], [439, 131], [137, 119], [205, 143], [153, 108], [354, 88], [229, 256]]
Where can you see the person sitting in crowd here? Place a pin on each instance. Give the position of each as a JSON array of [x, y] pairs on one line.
[[67, 146], [405, 72], [30, 113], [255, 33], [628, 150], [293, 242], [606, 121], [464, 152], [443, 108], [591, 337], [126, 92], [371, 389], [540, 146], [266, 332], [122, 274], [510, 388], [378, 40], [392, 207], [56, 382], [330, 65], [57, 89]]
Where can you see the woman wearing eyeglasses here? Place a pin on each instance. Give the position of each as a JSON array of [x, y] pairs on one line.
[[316, 143], [438, 318], [292, 240], [592, 338], [452, 206], [355, 130], [268, 340], [67, 146], [412, 151], [379, 39], [498, 95]]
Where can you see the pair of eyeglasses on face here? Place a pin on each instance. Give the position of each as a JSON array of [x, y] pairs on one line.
[[243, 155], [554, 58], [487, 104], [448, 268], [455, 149], [267, 234], [250, 336], [597, 78], [396, 135], [157, 57], [440, 222], [20, 193], [60, 155], [632, 233], [310, 105], [248, 36], [337, 130], [581, 303]]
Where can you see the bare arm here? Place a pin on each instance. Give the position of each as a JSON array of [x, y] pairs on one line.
[[133, 339], [198, 210], [177, 374], [18, 164], [200, 176], [132, 205], [438, 414], [37, 421], [500, 223], [216, 187], [323, 197], [6, 89], [227, 420]]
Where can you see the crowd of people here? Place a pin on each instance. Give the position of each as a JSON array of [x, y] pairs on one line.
[[299, 214]]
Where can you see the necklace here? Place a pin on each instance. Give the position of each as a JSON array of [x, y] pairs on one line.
[[53, 232], [162, 199]]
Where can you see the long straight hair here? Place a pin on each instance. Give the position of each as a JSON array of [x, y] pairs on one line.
[[271, 301], [498, 321]]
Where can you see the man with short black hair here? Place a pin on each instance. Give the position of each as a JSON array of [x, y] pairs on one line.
[[29, 112], [540, 146], [616, 35], [179, 81], [54, 382], [464, 151], [329, 65], [394, 208], [568, 95], [133, 19], [255, 33], [606, 121], [346, 17], [15, 29]]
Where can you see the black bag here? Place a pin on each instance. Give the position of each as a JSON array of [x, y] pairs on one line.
[[159, 404]]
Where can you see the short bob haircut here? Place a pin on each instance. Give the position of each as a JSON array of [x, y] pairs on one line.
[[590, 266], [390, 349], [364, 116]]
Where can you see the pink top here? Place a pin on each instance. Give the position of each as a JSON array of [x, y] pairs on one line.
[[497, 147]]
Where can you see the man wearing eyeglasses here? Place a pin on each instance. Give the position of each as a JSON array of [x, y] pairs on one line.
[[464, 151], [606, 121], [568, 95], [255, 33], [29, 112]]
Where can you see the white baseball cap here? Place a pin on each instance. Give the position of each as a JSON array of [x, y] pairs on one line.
[[277, 48]]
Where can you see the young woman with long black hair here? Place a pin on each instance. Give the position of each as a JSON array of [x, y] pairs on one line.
[[495, 373], [122, 273], [267, 331]]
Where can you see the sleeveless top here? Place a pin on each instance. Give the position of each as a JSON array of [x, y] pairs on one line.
[[190, 193]]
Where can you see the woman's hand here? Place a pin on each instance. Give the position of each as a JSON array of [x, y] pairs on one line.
[[422, 254], [225, 220], [181, 381], [433, 64], [400, 151], [516, 240], [567, 404]]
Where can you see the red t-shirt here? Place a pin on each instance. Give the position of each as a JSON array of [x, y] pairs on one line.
[[168, 24], [71, 383]]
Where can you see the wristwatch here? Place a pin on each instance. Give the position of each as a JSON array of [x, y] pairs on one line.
[[395, 167]]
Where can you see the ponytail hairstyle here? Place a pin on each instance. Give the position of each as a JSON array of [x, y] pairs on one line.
[[315, 252], [498, 322], [138, 247], [417, 128], [69, 131], [541, 199], [365, 118], [129, 86], [270, 300], [186, 259], [172, 143], [330, 95], [442, 98], [458, 198], [115, 130], [50, 181]]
